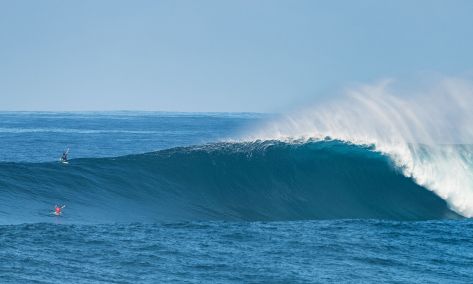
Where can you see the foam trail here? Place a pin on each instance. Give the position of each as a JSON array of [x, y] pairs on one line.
[[421, 131]]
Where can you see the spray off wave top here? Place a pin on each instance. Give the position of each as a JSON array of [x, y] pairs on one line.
[[419, 130], [388, 157]]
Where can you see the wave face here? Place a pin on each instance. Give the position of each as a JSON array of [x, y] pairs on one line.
[[268, 180]]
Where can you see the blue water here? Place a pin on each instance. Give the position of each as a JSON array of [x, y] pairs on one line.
[[42, 136], [173, 197]]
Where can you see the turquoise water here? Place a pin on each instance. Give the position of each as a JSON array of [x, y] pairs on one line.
[[158, 197]]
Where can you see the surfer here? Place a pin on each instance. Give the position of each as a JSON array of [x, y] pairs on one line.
[[64, 156], [58, 209]]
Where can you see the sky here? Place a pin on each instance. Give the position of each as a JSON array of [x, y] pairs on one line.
[[243, 56]]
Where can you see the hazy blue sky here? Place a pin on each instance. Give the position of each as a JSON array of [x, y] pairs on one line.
[[219, 55]]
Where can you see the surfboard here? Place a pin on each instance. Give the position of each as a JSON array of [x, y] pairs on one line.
[[63, 162]]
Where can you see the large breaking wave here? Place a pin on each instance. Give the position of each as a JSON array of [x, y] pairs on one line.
[[370, 154], [268, 180], [426, 132]]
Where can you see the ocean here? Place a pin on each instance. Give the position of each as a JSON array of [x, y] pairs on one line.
[[158, 197]]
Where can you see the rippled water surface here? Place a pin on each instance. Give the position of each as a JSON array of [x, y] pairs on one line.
[[249, 252]]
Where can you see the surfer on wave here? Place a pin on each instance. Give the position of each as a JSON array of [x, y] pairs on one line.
[[64, 156], [58, 209]]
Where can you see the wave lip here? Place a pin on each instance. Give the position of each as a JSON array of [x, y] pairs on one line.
[[263, 180]]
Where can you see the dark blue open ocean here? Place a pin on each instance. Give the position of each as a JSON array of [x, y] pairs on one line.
[[179, 198]]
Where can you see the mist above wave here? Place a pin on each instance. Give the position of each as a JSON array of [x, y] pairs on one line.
[[417, 128]]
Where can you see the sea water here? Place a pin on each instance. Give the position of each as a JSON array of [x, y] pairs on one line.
[[178, 197]]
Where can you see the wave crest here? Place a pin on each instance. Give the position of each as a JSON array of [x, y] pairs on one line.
[[419, 130]]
